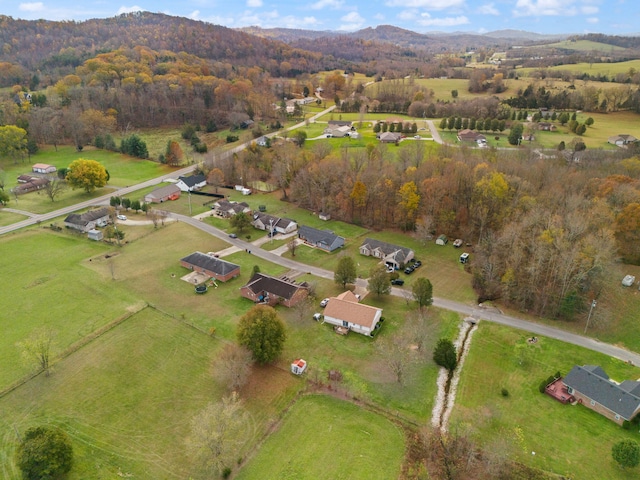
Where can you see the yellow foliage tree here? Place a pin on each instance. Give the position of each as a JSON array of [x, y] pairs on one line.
[[86, 174]]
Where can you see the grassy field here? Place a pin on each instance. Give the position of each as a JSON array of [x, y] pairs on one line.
[[322, 437], [569, 440], [586, 46], [610, 69]]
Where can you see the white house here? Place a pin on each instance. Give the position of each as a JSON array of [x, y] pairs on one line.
[[298, 366], [264, 221], [345, 311], [189, 184]]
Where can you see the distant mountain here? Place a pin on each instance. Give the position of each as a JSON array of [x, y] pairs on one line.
[[288, 35], [523, 35]]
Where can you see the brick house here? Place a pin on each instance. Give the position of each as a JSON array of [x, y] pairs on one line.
[[209, 265], [274, 291]]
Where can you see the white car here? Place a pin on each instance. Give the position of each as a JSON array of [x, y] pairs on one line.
[[324, 302], [122, 217], [628, 280]]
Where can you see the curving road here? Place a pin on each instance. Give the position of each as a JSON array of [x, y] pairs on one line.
[[468, 310]]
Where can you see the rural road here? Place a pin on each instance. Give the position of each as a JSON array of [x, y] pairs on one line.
[[468, 310], [462, 308]]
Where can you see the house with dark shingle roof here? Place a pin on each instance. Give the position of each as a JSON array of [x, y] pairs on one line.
[[622, 140], [323, 239], [212, 266], [593, 388], [264, 221], [226, 209], [389, 253], [345, 311], [191, 183], [274, 291], [88, 220]]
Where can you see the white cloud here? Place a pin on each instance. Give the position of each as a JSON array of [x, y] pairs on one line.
[[408, 15], [254, 3], [593, 20], [589, 10], [488, 9], [537, 8], [134, 8], [31, 7], [427, 4], [352, 21], [322, 4], [428, 21], [194, 15]]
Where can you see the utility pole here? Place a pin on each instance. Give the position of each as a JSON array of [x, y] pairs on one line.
[[190, 203], [593, 305]]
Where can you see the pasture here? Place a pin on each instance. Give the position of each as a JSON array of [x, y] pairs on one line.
[[308, 444], [567, 439]]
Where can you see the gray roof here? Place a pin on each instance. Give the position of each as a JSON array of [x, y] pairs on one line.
[[165, 191], [278, 222], [400, 253], [264, 283], [211, 263], [231, 207], [86, 217], [592, 381], [313, 235], [193, 180]]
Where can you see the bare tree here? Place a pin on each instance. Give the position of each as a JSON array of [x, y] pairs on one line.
[[218, 432], [37, 348], [395, 353], [303, 309], [233, 366], [292, 246], [54, 188]]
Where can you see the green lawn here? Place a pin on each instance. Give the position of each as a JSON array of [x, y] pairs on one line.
[[7, 218], [322, 437], [586, 46], [568, 440]]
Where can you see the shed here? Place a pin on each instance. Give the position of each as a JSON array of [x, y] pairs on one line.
[[43, 168], [298, 366], [442, 240], [94, 234]]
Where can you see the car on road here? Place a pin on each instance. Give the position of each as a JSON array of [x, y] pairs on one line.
[[324, 302], [233, 235], [397, 281], [122, 217]]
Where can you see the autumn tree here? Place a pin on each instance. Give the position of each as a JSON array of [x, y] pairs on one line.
[[408, 203], [218, 432], [215, 178], [628, 233], [13, 141], [233, 366], [379, 280], [345, 271], [37, 348], [86, 174], [396, 355], [173, 154], [422, 291], [44, 452], [262, 331]]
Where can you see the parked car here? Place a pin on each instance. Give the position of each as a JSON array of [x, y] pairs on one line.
[[408, 270], [122, 217], [457, 242], [628, 280], [418, 264], [317, 317], [324, 302], [233, 235], [397, 281]]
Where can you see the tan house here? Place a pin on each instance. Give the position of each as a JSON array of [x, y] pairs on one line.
[[88, 220], [345, 311], [43, 168], [622, 140], [163, 194]]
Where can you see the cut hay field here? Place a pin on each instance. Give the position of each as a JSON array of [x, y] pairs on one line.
[[585, 46], [323, 437], [610, 69], [569, 440]]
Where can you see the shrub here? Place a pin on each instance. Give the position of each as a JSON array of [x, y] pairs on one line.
[[505, 392], [226, 472]]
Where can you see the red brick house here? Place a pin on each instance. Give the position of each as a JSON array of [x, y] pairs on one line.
[[274, 291], [209, 265]]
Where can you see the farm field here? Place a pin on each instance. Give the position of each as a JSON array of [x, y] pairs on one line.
[[586, 46], [610, 69], [563, 437], [306, 444]]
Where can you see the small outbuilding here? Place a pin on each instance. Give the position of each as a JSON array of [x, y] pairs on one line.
[[464, 258], [94, 234], [298, 366], [442, 240], [43, 168]]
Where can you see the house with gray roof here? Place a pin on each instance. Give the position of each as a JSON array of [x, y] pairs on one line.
[[212, 266], [227, 209], [162, 194], [274, 291], [323, 239], [622, 140], [264, 221], [593, 388], [88, 220], [191, 183], [391, 254]]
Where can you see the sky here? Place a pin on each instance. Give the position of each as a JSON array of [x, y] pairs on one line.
[[614, 17]]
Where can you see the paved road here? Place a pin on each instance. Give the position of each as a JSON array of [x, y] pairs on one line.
[[468, 310], [40, 218]]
